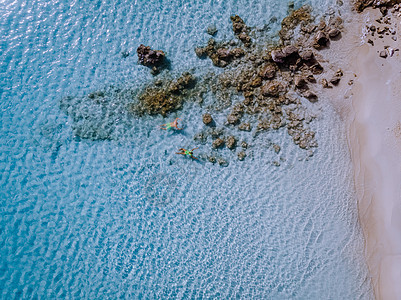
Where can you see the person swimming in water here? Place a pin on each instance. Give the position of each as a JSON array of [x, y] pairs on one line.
[[170, 125], [187, 152]]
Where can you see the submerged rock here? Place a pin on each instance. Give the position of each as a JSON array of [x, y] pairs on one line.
[[218, 143], [233, 118], [231, 142], [276, 148], [244, 127], [207, 119], [241, 30], [241, 155], [165, 97], [220, 55], [124, 54], [98, 116], [211, 30], [222, 162]]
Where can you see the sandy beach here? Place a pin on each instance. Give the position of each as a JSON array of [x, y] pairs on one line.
[[369, 101]]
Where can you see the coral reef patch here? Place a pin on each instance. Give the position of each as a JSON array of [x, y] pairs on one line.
[[164, 96]]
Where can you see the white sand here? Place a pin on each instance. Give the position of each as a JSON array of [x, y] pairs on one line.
[[372, 108]]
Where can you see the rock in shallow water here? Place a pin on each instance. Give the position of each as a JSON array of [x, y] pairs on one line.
[[231, 142], [218, 143], [207, 119], [241, 155], [149, 57], [211, 30]]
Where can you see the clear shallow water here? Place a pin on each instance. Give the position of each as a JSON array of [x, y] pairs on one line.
[[129, 219]]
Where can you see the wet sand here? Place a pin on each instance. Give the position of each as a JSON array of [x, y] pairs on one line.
[[369, 99]]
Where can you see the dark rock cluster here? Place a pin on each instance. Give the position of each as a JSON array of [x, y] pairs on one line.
[[273, 82], [154, 59], [360, 5], [294, 19], [220, 54]]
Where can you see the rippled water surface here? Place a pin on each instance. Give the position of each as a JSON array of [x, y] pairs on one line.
[[126, 217]]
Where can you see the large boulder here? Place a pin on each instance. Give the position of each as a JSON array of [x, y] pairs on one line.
[[149, 57]]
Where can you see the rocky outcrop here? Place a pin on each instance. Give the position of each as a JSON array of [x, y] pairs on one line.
[[151, 58], [360, 5]]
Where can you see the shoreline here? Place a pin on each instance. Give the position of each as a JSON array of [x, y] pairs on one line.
[[368, 101]]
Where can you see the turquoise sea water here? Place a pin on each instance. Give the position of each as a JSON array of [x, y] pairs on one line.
[[126, 217]]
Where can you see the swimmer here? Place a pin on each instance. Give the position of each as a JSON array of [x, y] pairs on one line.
[[170, 125], [187, 152]]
